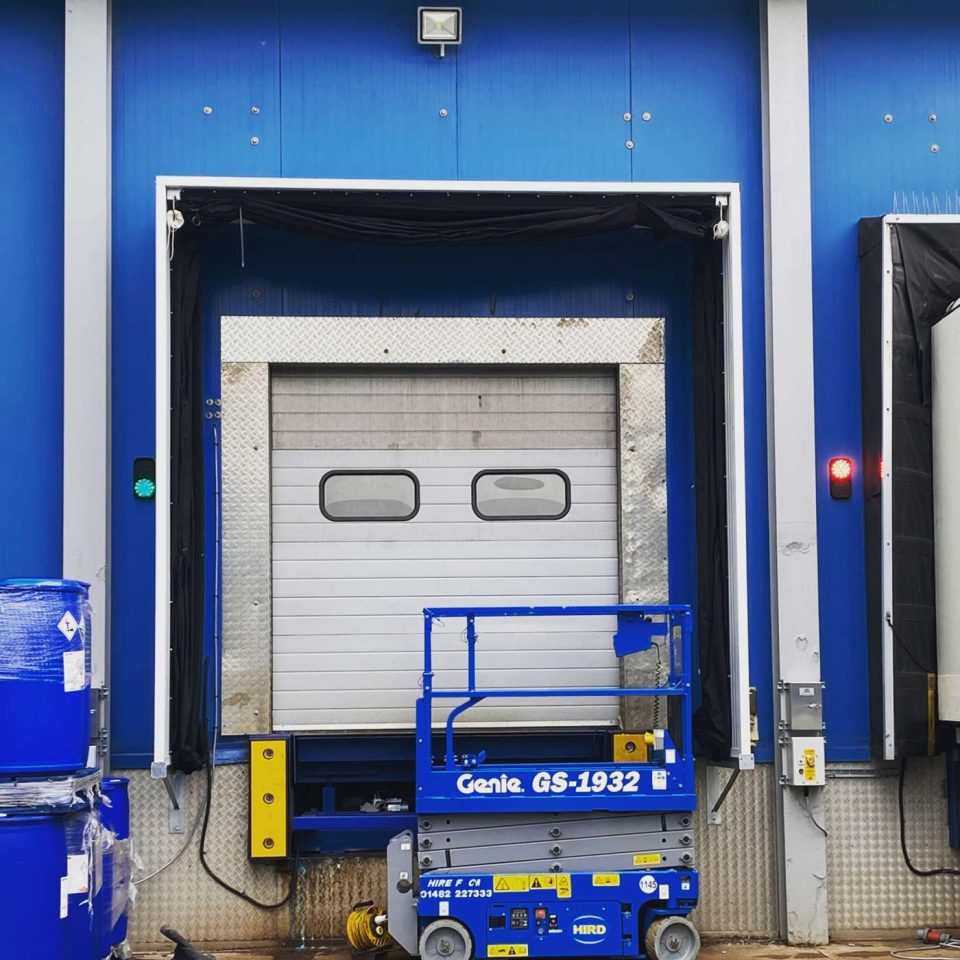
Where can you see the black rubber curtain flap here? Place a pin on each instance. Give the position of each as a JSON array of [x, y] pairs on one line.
[[188, 716]]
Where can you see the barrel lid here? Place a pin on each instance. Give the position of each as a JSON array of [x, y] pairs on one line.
[[46, 584]]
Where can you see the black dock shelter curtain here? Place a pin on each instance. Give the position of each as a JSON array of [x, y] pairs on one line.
[[925, 260], [437, 218]]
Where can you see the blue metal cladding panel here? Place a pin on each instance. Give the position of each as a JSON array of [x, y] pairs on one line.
[[543, 89], [360, 97], [536, 92], [868, 58], [695, 72], [31, 262], [171, 60]]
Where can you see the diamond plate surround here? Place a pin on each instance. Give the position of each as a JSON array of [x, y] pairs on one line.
[[247, 635], [643, 517], [869, 885], [327, 891], [183, 896], [441, 340], [737, 858], [250, 344]]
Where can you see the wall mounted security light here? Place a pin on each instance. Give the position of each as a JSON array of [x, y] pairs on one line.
[[438, 26]]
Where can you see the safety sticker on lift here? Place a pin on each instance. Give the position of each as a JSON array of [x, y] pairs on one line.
[[507, 950], [646, 859], [523, 883], [606, 879]]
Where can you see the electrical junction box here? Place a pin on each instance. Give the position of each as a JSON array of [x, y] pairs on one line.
[[805, 762], [804, 707]]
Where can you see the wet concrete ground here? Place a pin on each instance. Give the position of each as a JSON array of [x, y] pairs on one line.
[[842, 950]]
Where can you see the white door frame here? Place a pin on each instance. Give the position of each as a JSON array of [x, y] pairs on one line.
[[728, 194]]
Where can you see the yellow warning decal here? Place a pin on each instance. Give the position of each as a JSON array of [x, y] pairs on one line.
[[507, 950], [564, 887], [543, 881], [645, 859], [510, 883], [606, 879]]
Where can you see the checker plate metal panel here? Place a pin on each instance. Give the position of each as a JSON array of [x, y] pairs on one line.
[[737, 859], [643, 523], [183, 896], [246, 670], [869, 886], [870, 889], [441, 340]]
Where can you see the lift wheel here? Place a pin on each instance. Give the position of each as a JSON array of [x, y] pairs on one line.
[[446, 940], [672, 938]]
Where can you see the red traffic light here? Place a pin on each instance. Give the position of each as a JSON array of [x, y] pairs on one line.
[[841, 478]]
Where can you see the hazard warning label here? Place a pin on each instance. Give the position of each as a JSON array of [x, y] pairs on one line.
[[606, 879], [522, 883], [507, 950], [543, 881]]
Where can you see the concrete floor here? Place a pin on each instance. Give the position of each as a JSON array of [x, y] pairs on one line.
[[842, 950]]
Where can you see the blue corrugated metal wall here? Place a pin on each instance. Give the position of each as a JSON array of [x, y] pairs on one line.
[[535, 92], [538, 91], [868, 58], [31, 263]]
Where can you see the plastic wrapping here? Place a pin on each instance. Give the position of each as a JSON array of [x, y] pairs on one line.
[[122, 889], [45, 632], [49, 795], [119, 861]]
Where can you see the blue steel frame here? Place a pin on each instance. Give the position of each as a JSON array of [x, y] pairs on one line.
[[467, 784]]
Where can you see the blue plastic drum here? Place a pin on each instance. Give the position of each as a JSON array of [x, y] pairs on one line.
[[44, 676], [117, 863], [45, 910]]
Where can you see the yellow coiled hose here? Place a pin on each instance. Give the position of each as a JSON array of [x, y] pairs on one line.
[[363, 931]]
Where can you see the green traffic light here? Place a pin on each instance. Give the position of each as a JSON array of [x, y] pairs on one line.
[[144, 488]]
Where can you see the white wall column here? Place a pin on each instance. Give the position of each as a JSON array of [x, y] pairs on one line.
[[793, 464], [86, 317]]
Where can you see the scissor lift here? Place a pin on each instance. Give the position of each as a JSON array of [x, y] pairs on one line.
[[552, 860]]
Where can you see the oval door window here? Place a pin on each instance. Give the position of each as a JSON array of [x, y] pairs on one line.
[[369, 495], [521, 494]]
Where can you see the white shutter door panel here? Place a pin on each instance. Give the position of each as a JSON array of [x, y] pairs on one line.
[[348, 596]]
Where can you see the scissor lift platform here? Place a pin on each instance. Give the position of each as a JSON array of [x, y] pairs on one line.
[[544, 859]]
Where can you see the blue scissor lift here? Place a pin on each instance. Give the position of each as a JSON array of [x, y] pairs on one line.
[[546, 859]]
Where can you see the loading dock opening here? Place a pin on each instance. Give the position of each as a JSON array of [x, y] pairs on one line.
[[656, 205]]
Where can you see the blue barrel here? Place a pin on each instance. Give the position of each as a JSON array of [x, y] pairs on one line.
[[117, 862], [44, 676], [45, 910]]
